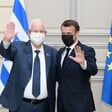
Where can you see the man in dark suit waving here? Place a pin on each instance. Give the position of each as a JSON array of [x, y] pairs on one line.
[[76, 63], [31, 84]]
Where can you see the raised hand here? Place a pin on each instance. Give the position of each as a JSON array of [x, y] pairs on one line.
[[9, 32], [79, 55]]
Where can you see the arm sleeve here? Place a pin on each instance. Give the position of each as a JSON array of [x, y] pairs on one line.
[[6, 44]]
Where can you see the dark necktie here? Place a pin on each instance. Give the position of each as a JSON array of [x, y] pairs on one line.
[[66, 55], [36, 75]]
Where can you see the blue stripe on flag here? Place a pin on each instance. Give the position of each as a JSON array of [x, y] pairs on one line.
[[20, 14], [4, 75], [16, 38]]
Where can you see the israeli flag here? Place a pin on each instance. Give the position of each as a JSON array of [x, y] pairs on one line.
[[19, 17]]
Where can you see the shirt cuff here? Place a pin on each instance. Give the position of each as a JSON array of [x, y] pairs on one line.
[[84, 66], [6, 44]]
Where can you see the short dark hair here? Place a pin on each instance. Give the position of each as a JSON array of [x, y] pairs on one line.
[[70, 22]]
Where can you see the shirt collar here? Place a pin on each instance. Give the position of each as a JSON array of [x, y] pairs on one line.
[[34, 48]]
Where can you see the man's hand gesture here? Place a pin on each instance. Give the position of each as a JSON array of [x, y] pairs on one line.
[[9, 32], [79, 55]]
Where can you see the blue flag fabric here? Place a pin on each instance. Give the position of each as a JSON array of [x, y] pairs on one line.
[[19, 17], [107, 82]]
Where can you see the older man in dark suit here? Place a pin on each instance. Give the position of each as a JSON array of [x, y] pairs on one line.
[[76, 63], [26, 91]]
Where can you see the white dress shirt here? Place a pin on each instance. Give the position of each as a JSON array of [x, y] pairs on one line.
[[43, 82]]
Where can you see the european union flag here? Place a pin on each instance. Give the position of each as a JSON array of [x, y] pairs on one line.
[[19, 17], [107, 82]]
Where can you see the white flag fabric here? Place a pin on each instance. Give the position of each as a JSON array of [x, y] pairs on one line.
[[19, 17]]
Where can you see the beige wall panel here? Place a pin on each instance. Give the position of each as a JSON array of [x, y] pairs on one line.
[[96, 84], [95, 14], [99, 75], [6, 2], [101, 54], [6, 15], [105, 107], [52, 12], [96, 88], [54, 40], [1, 36], [94, 39]]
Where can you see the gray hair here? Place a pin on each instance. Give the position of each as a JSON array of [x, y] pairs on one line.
[[34, 21]]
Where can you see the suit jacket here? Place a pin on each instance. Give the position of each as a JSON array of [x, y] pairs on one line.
[[74, 91], [21, 55]]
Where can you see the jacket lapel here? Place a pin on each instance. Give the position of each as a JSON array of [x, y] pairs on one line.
[[47, 59], [73, 52], [59, 58], [28, 51]]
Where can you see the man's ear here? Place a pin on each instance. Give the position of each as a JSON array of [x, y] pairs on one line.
[[77, 33], [45, 32]]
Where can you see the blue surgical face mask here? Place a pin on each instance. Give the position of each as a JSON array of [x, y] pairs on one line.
[[67, 40]]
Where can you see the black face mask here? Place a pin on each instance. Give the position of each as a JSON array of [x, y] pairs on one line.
[[67, 40]]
